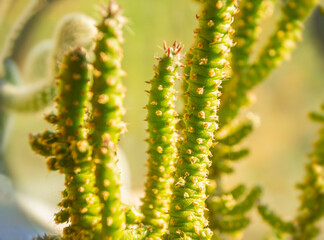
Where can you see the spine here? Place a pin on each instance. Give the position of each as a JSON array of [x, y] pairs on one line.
[[162, 142], [68, 151], [210, 54], [106, 123]]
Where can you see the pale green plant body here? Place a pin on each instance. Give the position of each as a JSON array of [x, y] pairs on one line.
[[9, 76], [69, 151], [35, 96], [75, 149], [247, 30]]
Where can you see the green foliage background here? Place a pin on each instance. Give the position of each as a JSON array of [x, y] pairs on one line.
[[278, 146]]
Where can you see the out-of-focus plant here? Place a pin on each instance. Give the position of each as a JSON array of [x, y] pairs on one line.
[[184, 196], [228, 208], [311, 208], [15, 96]]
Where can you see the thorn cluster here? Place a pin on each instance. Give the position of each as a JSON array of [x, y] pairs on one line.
[[235, 95], [106, 124], [68, 151], [212, 47], [162, 141]]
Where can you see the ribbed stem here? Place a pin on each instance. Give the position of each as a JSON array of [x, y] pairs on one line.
[[83, 205], [106, 123], [279, 47], [162, 143], [69, 152], [186, 76], [210, 54], [246, 27]]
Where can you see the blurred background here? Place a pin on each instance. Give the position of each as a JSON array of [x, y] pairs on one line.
[[278, 147]]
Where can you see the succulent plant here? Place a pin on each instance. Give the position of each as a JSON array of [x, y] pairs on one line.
[[188, 154]]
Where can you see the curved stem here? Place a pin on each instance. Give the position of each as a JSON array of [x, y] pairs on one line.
[[11, 41]]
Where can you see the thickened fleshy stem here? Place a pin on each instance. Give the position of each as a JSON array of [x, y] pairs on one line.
[[106, 124], [246, 27], [279, 47], [246, 31], [133, 215], [69, 152], [227, 212], [282, 42], [210, 54], [311, 208], [140, 233], [83, 205], [162, 142], [186, 76], [235, 93]]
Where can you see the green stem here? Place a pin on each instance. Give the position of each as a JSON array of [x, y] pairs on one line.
[[162, 142], [83, 205], [311, 208], [246, 27], [246, 31], [279, 47], [210, 54], [106, 123], [69, 151]]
